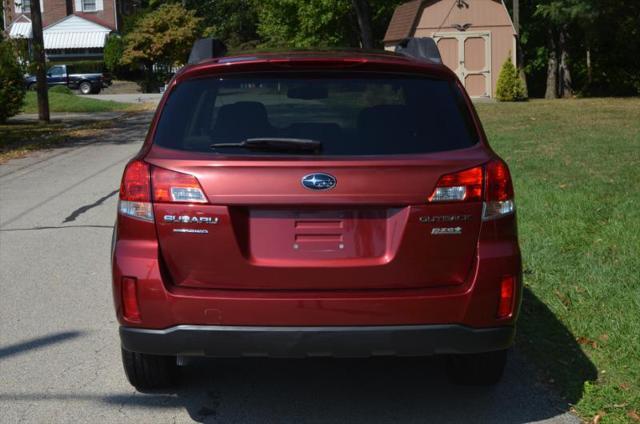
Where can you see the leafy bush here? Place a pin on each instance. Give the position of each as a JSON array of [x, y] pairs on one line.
[[510, 87], [12, 88], [62, 89], [113, 49]]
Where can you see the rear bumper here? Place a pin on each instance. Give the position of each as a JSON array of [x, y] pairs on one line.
[[334, 341]]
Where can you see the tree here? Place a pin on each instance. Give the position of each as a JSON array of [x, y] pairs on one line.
[[113, 51], [163, 36], [363, 13], [324, 23], [233, 21], [510, 87], [561, 18], [306, 24], [12, 89]]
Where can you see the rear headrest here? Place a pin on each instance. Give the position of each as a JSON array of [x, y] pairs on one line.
[[382, 116], [242, 120]]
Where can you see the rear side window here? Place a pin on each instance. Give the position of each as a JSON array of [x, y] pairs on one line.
[[360, 115]]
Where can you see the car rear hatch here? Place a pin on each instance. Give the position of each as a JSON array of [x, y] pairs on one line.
[[360, 214]]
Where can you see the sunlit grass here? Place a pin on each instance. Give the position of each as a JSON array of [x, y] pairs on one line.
[[61, 102], [576, 169]]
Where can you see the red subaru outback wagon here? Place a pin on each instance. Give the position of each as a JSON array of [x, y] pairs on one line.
[[304, 204]]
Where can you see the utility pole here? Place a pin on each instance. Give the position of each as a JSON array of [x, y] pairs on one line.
[[40, 62]]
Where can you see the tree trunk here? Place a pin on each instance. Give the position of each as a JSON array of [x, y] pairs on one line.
[[552, 68], [519, 53], [363, 13], [40, 62], [565, 85]]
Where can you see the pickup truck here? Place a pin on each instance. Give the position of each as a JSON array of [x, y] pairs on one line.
[[86, 83]]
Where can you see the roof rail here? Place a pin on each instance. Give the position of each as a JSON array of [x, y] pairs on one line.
[[206, 48], [424, 48]]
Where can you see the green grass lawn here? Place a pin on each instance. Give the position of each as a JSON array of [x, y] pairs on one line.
[[576, 170], [60, 102], [19, 138]]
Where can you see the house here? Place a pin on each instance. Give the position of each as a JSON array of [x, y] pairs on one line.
[[72, 29], [475, 37]]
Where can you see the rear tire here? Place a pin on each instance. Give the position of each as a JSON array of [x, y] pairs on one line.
[[85, 87], [477, 369], [147, 372]]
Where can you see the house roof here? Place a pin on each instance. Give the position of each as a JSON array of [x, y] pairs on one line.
[[21, 28], [403, 21], [406, 17], [71, 32], [93, 18], [75, 32], [74, 40]]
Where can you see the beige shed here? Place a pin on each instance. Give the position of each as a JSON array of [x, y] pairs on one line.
[[475, 37]]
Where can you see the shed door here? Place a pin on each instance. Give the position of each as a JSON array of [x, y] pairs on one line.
[[468, 54]]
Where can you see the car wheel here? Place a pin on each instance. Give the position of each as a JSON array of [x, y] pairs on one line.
[[146, 372], [85, 88], [32, 87], [478, 369]]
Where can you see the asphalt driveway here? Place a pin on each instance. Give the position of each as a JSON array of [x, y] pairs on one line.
[[59, 348]]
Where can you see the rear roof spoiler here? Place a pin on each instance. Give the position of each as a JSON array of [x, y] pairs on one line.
[[424, 48], [206, 48]]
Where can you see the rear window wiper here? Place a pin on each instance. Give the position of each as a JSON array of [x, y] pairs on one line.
[[274, 144]]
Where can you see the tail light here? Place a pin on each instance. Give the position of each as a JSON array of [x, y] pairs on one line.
[[507, 296], [143, 184], [490, 183], [461, 186], [498, 199], [135, 192], [171, 186], [130, 309]]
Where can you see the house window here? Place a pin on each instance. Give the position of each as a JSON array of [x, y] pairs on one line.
[[26, 6], [89, 5]]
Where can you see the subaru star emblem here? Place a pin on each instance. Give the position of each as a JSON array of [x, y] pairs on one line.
[[319, 181]]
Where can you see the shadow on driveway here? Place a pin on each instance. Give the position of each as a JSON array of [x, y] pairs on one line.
[[377, 390], [37, 343], [383, 389], [386, 390]]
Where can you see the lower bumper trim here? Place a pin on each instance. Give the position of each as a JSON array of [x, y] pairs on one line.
[[299, 342]]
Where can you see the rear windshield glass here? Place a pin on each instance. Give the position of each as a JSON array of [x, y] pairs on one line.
[[363, 115]]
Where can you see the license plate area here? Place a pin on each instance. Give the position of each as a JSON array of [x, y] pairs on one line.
[[312, 235]]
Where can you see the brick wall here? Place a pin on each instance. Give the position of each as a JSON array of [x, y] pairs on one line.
[[55, 10], [105, 17]]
